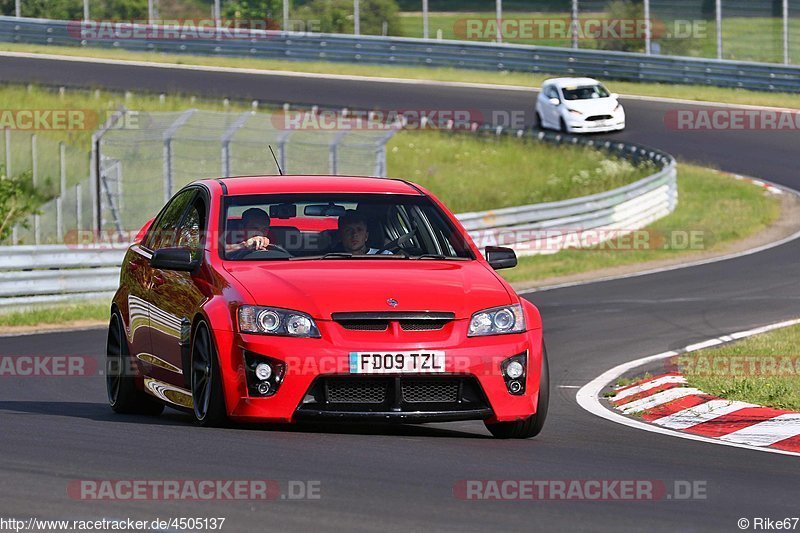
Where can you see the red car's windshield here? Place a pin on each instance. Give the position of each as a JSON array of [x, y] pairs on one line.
[[337, 226]]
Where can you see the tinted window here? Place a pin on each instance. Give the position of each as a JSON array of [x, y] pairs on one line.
[[190, 232], [162, 234], [587, 92], [307, 226]]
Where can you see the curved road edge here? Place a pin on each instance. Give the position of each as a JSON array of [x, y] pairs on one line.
[[588, 397]]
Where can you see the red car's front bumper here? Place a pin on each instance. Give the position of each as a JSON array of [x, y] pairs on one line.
[[477, 358]]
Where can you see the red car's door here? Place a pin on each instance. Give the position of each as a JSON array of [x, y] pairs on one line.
[[161, 234], [175, 298]]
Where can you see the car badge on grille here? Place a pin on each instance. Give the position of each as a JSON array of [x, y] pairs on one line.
[[392, 302]]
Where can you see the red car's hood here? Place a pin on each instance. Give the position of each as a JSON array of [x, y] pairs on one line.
[[323, 287]]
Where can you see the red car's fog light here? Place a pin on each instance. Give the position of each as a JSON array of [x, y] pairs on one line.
[[264, 374], [514, 370]]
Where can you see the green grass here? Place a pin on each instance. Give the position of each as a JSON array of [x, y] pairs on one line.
[[57, 314], [763, 369], [470, 173], [721, 209], [688, 92]]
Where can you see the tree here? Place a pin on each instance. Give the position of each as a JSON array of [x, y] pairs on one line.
[[18, 199], [253, 10], [336, 16]]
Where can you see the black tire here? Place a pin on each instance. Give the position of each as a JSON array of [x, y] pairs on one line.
[[562, 125], [537, 121], [123, 396], [531, 426], [208, 400]]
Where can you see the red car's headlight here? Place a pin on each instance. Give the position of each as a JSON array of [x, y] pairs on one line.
[[276, 321], [497, 321]]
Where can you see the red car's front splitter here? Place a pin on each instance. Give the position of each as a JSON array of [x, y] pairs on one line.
[[308, 359]]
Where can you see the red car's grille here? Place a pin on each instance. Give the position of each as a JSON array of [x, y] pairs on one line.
[[416, 321], [430, 391], [356, 392]]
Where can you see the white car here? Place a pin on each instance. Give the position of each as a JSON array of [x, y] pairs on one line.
[[578, 105]]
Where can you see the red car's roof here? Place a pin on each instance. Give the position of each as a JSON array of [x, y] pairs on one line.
[[313, 184]]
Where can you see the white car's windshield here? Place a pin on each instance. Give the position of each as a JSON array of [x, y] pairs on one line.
[[337, 226], [586, 92]]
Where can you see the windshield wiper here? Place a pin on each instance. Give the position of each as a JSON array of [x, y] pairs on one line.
[[438, 256]]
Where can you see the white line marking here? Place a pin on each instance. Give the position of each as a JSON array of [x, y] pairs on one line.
[[658, 399], [588, 396], [700, 413], [768, 432], [664, 380]]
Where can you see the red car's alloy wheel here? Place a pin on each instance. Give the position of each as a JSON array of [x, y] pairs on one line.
[[209, 403], [123, 396]]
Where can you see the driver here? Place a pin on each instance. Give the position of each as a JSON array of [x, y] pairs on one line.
[[353, 234], [255, 224]]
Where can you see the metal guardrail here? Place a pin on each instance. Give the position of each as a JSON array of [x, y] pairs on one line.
[[408, 51], [546, 227], [45, 274]]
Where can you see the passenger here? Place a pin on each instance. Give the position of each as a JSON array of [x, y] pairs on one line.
[[255, 225], [353, 235]]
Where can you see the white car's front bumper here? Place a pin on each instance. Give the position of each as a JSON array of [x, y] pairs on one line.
[[582, 123]]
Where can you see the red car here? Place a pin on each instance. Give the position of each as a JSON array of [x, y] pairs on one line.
[[289, 298]]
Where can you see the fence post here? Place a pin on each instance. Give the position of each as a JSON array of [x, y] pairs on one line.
[[62, 188], [150, 12], [718, 10], [282, 149], [333, 153], [95, 168], [168, 134], [15, 235], [86, 10], [18, 8], [425, 19], [8, 152], [498, 8], [648, 29], [574, 24], [226, 141], [356, 17], [34, 163], [285, 15], [78, 207], [786, 60]]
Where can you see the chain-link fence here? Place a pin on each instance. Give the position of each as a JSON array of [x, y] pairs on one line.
[[56, 170], [139, 160]]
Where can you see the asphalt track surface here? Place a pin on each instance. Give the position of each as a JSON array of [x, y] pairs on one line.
[[401, 478]]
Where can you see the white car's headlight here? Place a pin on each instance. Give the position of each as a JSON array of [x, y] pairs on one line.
[[618, 108], [276, 321], [497, 321], [574, 111]]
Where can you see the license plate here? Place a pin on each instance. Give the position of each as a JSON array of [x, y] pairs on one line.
[[422, 362]]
